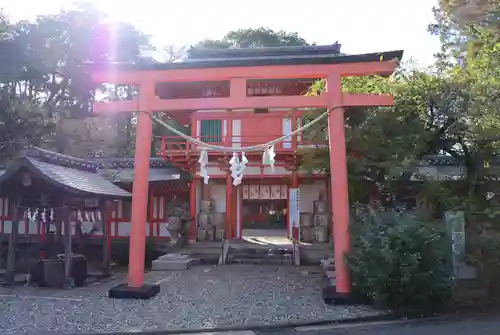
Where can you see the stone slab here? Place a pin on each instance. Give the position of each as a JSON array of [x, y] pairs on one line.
[[172, 265], [174, 257], [330, 274], [327, 262]]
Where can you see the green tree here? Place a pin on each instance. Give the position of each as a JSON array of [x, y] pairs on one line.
[[23, 120], [253, 38], [381, 142], [471, 50], [53, 52], [475, 12]]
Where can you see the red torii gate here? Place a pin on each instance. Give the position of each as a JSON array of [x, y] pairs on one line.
[[238, 72]]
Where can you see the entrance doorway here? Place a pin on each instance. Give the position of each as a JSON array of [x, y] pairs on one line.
[[264, 212]]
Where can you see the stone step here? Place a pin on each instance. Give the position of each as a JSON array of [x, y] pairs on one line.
[[173, 262], [261, 261], [246, 253], [205, 252]]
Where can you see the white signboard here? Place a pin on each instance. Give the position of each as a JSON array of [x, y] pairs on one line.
[[293, 210]]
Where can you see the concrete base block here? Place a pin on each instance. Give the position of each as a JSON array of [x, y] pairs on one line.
[[173, 262], [123, 291]]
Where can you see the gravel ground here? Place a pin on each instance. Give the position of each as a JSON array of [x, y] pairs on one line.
[[202, 297]]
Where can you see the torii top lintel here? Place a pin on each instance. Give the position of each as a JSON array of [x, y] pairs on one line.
[[238, 71]]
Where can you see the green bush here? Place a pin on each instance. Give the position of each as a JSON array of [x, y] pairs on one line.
[[400, 261]]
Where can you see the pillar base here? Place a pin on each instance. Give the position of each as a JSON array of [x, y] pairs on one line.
[[123, 291], [332, 297], [346, 299]]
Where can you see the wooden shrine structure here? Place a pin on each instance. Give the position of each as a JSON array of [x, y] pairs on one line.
[[219, 85]]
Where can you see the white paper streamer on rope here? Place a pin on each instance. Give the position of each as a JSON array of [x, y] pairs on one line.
[[268, 157], [268, 147], [203, 160], [42, 214], [258, 147], [79, 216]]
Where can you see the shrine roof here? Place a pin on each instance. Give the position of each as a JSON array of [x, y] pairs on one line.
[[126, 176], [119, 170], [302, 50], [219, 59], [70, 179]]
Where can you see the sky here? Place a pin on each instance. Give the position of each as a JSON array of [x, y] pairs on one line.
[[361, 26]]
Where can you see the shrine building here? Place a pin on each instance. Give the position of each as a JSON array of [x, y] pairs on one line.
[[194, 92]]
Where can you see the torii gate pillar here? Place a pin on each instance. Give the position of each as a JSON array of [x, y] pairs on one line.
[[136, 288], [339, 190]]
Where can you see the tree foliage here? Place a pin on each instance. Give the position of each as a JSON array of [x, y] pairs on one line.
[[400, 261], [253, 38], [452, 111], [472, 12], [43, 68]]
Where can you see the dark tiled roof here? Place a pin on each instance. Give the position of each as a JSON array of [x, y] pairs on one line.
[[155, 175], [72, 180], [280, 51], [108, 166], [51, 157], [123, 163], [263, 60], [119, 170]]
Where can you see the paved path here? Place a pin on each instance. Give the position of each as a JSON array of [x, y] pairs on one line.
[[202, 297], [485, 325]]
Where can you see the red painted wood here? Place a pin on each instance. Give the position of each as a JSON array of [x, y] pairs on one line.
[[113, 75]]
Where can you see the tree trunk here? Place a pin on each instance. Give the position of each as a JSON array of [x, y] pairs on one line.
[[11, 254]]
